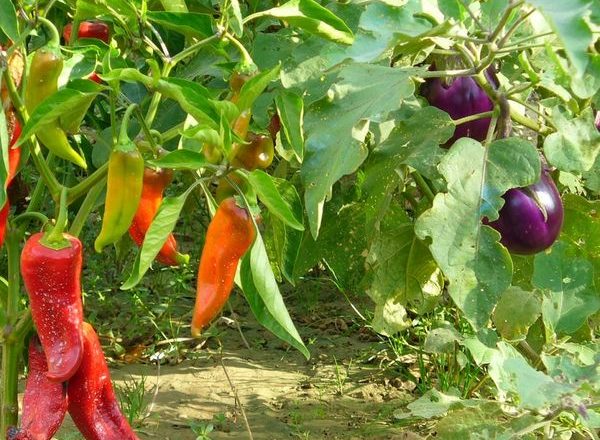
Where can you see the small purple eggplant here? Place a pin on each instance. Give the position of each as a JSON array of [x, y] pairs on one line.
[[597, 121], [531, 218], [460, 98]]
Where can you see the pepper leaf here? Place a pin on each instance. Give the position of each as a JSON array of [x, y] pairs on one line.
[[66, 107], [8, 19], [162, 225], [254, 87], [262, 293], [290, 108], [312, 17], [268, 189], [189, 24], [182, 160]]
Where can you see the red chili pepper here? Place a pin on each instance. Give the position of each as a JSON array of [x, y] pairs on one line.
[[229, 235], [88, 29], [52, 280], [92, 402], [155, 183], [14, 157], [45, 402]]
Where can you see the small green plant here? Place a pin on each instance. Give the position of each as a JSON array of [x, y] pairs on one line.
[[132, 398], [202, 429]]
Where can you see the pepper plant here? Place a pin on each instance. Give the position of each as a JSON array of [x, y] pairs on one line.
[[429, 154]]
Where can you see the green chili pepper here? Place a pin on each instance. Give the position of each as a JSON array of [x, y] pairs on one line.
[[124, 187], [46, 66]]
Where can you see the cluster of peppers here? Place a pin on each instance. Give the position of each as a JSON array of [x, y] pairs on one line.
[[531, 218], [67, 369]]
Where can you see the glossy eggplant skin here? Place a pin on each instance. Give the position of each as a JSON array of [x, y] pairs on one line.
[[460, 98], [597, 121], [524, 227]]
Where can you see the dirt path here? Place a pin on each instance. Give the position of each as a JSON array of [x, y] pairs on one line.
[[342, 392]]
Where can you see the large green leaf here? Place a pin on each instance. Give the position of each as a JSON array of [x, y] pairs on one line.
[[570, 296], [575, 146], [337, 124], [263, 295], [580, 229], [403, 272], [290, 109], [515, 312], [478, 268], [568, 19], [530, 389]]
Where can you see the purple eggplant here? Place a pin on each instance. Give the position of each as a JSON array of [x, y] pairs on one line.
[[531, 217], [460, 98], [597, 121]]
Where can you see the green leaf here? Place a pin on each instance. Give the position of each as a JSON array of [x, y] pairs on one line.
[[576, 144], [312, 17], [434, 404], [290, 108], [570, 296], [182, 160], [162, 225], [442, 339], [235, 18], [67, 106], [338, 123], [72, 118], [261, 290], [478, 268], [531, 389], [267, 189], [568, 20], [402, 271], [8, 19], [416, 142], [190, 24], [516, 311], [287, 243], [255, 86], [580, 228]]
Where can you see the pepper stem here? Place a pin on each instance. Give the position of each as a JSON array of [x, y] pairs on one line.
[[54, 239], [52, 32], [123, 136]]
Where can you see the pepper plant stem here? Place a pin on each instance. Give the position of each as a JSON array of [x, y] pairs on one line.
[[11, 348], [86, 208], [86, 185], [423, 186]]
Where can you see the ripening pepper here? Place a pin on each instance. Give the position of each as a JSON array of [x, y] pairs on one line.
[[88, 29], [14, 157], [51, 270], [230, 234], [44, 403], [124, 187], [46, 66], [257, 152], [92, 402], [155, 183]]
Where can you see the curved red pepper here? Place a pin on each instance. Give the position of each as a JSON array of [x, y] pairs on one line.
[[52, 281], [45, 402], [155, 183], [92, 402], [14, 157], [229, 235], [88, 29]]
